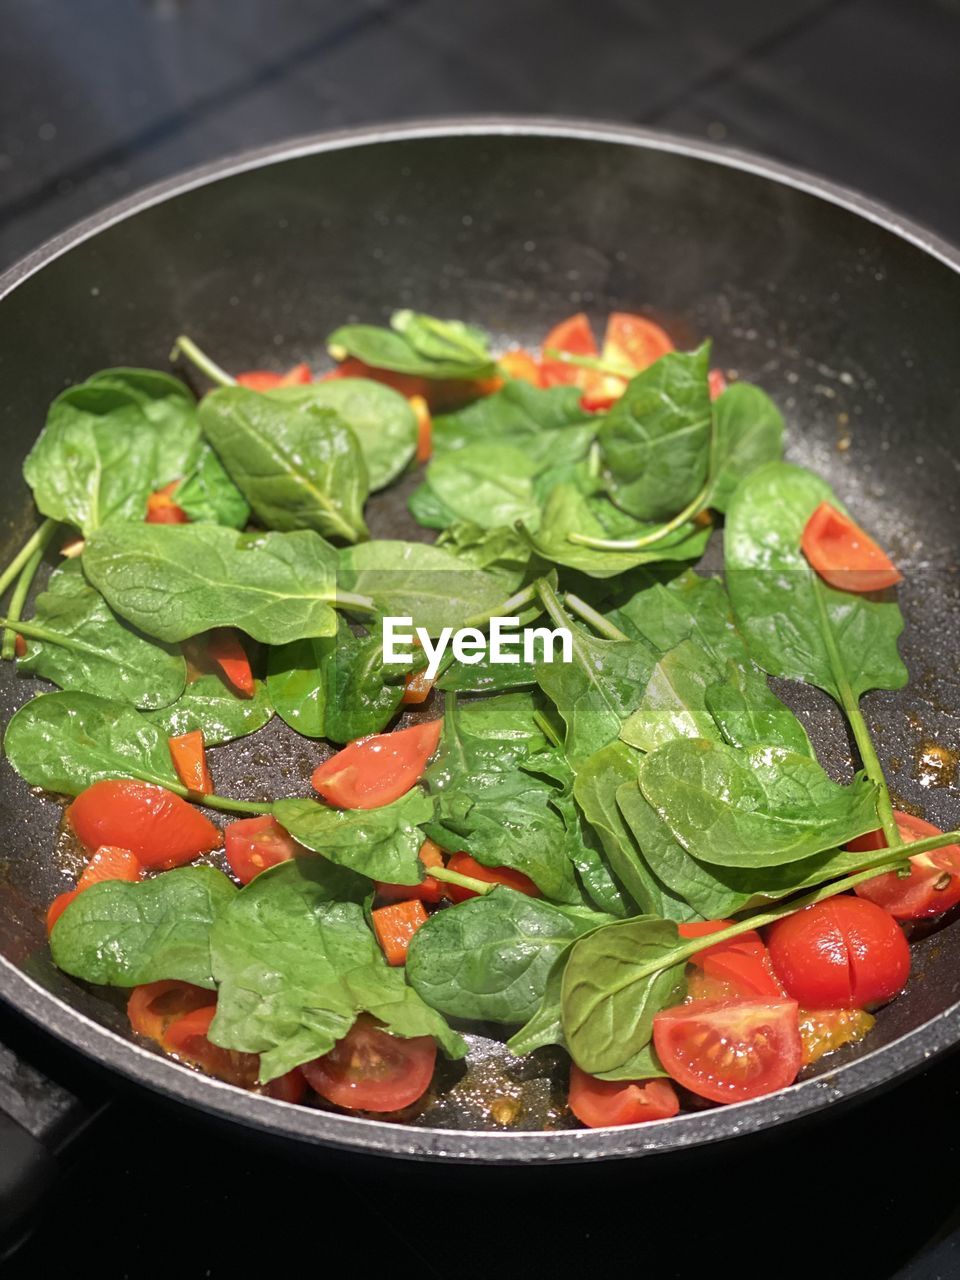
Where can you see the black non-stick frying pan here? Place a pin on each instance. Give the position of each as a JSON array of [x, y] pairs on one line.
[[846, 314]]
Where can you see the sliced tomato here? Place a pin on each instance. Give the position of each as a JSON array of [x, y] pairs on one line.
[[190, 761], [161, 508], [19, 646], [632, 341], [187, 1037], [428, 890], [159, 828], [395, 926], [750, 975], [108, 863], [575, 337], [933, 885], [421, 411], [254, 844], [845, 953], [261, 380], [226, 651], [467, 866], [844, 555], [730, 1050], [416, 688], [823, 1030], [749, 943], [600, 1104], [521, 366], [371, 1070], [290, 1087], [377, 770], [153, 1006]]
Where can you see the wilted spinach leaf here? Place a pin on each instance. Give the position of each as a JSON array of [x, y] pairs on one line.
[[210, 705], [416, 344]]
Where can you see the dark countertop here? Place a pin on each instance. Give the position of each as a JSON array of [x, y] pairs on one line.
[[103, 96]]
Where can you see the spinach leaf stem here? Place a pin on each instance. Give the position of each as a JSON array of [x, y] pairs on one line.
[[39, 539], [596, 620], [185, 346], [20, 592], [649, 539]]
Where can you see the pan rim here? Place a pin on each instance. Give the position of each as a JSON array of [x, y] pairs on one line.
[[854, 1080]]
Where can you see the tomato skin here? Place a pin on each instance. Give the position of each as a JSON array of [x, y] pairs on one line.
[[730, 1050], [845, 953], [752, 975], [467, 866], [261, 380], [371, 1070], [634, 340], [190, 761], [428, 890], [421, 411], [161, 509], [574, 336], [159, 828], [844, 555], [108, 863], [521, 366], [254, 844], [225, 650], [187, 1037], [717, 380], [748, 943], [600, 1104], [154, 1005], [917, 897], [395, 926], [290, 1087], [377, 770]]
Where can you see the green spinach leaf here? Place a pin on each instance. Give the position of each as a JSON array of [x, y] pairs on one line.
[[171, 407], [416, 344], [207, 494], [207, 703], [492, 485]]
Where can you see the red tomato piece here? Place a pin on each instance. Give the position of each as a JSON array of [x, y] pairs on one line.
[[634, 340], [730, 1050], [749, 943], [521, 366], [190, 761], [187, 1037], [291, 1087], [371, 1070], [421, 411], [575, 337], [751, 975], [19, 646], [718, 383], [933, 885], [377, 770], [844, 953], [159, 828], [261, 380], [428, 890], [254, 844], [153, 1006], [600, 1104], [161, 508], [467, 866], [395, 925], [844, 555], [226, 651], [416, 688], [108, 863]]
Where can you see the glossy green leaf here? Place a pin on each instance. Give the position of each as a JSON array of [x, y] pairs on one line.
[[210, 705]]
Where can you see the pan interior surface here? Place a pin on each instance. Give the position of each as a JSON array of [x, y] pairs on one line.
[[849, 326]]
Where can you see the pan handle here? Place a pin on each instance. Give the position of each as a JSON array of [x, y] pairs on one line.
[[39, 1118]]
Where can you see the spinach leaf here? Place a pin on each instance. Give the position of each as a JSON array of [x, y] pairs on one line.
[[95, 459], [748, 432], [521, 415], [75, 640], [207, 493], [415, 344], [674, 701], [298, 465], [381, 844], [598, 689], [656, 437], [122, 935], [296, 962], [207, 703], [595, 790], [484, 737], [65, 742], [607, 1016], [174, 581], [748, 713], [363, 694], [171, 407], [415, 580], [502, 552], [777, 596], [568, 511], [428, 510], [489, 958], [544, 1026], [297, 682], [688, 607], [759, 807], [492, 485], [380, 418]]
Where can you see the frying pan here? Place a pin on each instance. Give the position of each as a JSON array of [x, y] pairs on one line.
[[848, 315]]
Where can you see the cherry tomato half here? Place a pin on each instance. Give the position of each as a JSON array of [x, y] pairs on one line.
[[226, 651], [153, 1006], [730, 1050], [253, 844], [467, 866], [108, 863], [378, 770], [186, 1036], [933, 885], [158, 828], [844, 953], [428, 890], [749, 943], [602, 1103], [574, 336], [261, 380], [844, 555], [371, 1070]]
